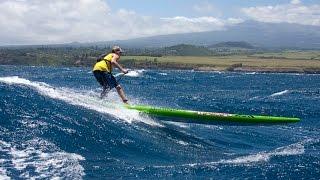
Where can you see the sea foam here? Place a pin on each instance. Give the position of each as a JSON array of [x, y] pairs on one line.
[[279, 93], [87, 99], [290, 150], [41, 157]]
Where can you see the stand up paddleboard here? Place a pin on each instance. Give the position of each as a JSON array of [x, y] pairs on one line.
[[207, 117]]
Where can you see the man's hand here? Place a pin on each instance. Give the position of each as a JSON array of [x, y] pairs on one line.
[[125, 71]]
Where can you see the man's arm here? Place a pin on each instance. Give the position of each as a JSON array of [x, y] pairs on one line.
[[114, 61]]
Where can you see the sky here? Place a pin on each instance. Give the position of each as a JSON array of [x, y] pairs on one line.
[[64, 21]]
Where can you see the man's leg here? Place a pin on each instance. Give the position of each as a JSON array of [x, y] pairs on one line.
[[121, 94], [104, 92], [101, 79]]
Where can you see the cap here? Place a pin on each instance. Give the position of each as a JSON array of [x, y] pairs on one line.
[[116, 48]]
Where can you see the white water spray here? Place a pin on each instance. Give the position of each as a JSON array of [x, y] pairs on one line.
[[86, 99]]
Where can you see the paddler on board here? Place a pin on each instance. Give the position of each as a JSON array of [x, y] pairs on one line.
[[102, 71]]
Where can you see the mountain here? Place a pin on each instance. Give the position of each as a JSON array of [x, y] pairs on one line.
[[232, 44], [256, 34], [259, 34]]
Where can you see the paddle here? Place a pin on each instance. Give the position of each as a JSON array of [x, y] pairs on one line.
[[121, 75]]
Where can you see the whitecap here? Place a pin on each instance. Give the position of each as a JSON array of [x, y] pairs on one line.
[[290, 150], [251, 73], [183, 143], [3, 172], [279, 93], [86, 99], [132, 73], [43, 158], [179, 124]]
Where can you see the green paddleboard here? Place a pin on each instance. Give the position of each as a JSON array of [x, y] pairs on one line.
[[207, 117]]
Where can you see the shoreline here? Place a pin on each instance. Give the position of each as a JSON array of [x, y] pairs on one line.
[[303, 70], [302, 62], [196, 68]]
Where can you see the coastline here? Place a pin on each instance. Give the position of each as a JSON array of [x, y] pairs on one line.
[[285, 61], [225, 68], [196, 67], [303, 62]]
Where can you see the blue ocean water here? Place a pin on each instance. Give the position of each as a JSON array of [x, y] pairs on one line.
[[54, 125]]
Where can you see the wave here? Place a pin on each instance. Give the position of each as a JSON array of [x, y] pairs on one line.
[[294, 149], [132, 73], [179, 124], [270, 96], [87, 99], [251, 73], [279, 93], [3, 172], [163, 74], [290, 150], [41, 157]]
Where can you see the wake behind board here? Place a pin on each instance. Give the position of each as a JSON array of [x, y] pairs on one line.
[[207, 117]]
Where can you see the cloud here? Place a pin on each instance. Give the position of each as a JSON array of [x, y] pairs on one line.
[[295, 2], [36, 21], [204, 7], [60, 21], [184, 24], [295, 12], [181, 24]]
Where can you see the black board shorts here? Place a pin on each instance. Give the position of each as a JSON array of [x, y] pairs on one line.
[[105, 79]]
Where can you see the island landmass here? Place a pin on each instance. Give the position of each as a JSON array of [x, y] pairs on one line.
[[227, 56]]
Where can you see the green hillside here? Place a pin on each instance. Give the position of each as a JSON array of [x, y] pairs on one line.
[[188, 50]]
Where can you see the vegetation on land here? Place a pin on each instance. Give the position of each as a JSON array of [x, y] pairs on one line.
[[222, 57], [228, 63]]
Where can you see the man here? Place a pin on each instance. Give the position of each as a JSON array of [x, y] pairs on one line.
[[102, 71]]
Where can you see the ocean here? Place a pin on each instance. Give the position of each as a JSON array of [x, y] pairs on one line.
[[53, 125]]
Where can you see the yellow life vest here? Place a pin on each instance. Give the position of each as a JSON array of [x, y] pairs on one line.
[[104, 64]]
